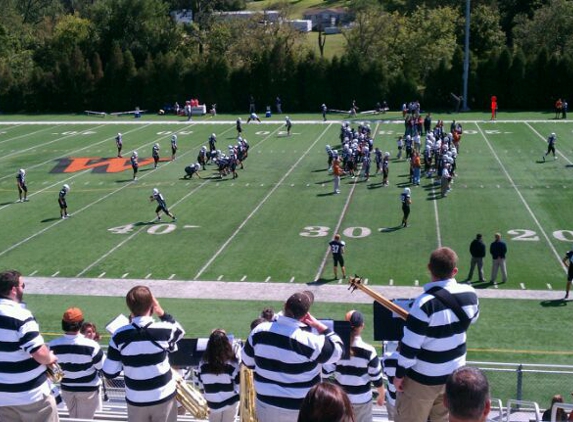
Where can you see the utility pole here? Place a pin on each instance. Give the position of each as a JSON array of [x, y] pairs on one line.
[[466, 58]]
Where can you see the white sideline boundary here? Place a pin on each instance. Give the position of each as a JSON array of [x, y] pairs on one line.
[[260, 204], [523, 201], [14, 246]]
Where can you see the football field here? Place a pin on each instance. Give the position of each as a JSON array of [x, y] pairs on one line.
[[273, 223]]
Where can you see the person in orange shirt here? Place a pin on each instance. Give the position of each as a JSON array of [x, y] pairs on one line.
[[337, 171], [558, 108], [493, 107]]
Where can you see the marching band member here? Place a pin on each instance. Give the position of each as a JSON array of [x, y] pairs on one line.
[[219, 373], [80, 358], [355, 373], [141, 350], [24, 388], [287, 359]]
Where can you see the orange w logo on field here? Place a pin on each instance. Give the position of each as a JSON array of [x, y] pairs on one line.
[[98, 164]]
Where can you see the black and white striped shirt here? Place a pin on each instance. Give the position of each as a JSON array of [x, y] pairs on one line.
[[141, 350], [434, 341], [287, 360], [389, 364], [22, 379], [221, 390], [80, 358], [356, 374]]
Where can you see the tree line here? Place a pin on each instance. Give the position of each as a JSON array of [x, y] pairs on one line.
[[113, 55]]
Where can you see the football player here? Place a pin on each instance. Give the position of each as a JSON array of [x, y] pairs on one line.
[[212, 142], [288, 125], [551, 146], [119, 144], [192, 169], [62, 201], [253, 116], [203, 157], [239, 126], [155, 154], [385, 168], [21, 183], [134, 164], [173, 146], [161, 204]]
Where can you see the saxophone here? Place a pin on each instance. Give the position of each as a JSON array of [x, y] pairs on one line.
[[191, 399], [247, 410]]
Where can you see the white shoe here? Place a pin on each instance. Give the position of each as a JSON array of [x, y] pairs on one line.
[[19, 200]]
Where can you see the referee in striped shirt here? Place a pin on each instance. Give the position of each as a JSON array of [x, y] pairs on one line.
[[434, 341], [25, 394], [80, 358], [141, 350], [361, 369], [287, 357]]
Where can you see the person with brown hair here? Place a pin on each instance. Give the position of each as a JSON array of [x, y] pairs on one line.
[[286, 358], [326, 402], [467, 395], [89, 330], [80, 358], [357, 372], [140, 349], [219, 374], [24, 388], [560, 414], [434, 341]]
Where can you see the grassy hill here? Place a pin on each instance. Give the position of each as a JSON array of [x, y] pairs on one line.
[[296, 8]]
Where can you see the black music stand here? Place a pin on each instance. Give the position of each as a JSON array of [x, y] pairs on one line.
[[189, 352], [387, 325]]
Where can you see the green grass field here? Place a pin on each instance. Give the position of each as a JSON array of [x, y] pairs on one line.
[[273, 223]]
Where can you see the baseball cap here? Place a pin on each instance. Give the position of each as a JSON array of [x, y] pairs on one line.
[[73, 315], [298, 304], [355, 318]]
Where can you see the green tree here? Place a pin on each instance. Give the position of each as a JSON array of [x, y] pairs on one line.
[[485, 30]]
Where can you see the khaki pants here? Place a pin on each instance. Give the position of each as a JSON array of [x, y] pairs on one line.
[[227, 415], [44, 410], [498, 264], [420, 403], [81, 404], [362, 412], [268, 413], [164, 412]]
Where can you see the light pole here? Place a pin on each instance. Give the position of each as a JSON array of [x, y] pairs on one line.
[[466, 58]]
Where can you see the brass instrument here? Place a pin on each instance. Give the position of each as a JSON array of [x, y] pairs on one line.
[[356, 283], [247, 410], [191, 399], [54, 372]]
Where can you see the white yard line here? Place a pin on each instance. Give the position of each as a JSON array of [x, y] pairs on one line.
[[51, 160], [524, 202], [263, 201], [545, 141], [438, 232], [45, 143], [123, 242], [338, 224], [14, 246], [26, 134]]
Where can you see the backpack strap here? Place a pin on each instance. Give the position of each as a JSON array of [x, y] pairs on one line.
[[447, 299]]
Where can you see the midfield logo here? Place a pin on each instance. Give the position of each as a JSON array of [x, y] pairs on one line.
[[98, 164]]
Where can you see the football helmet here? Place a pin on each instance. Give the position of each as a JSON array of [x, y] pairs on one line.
[[155, 191], [22, 172], [66, 187]]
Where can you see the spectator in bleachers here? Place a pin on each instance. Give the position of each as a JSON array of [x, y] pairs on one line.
[[80, 359], [326, 402], [467, 395], [219, 374], [389, 364], [560, 416]]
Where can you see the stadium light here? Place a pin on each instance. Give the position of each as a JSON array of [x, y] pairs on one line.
[[466, 58]]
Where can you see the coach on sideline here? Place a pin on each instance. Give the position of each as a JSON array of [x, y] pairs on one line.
[[434, 341], [287, 359], [141, 350], [24, 390]]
